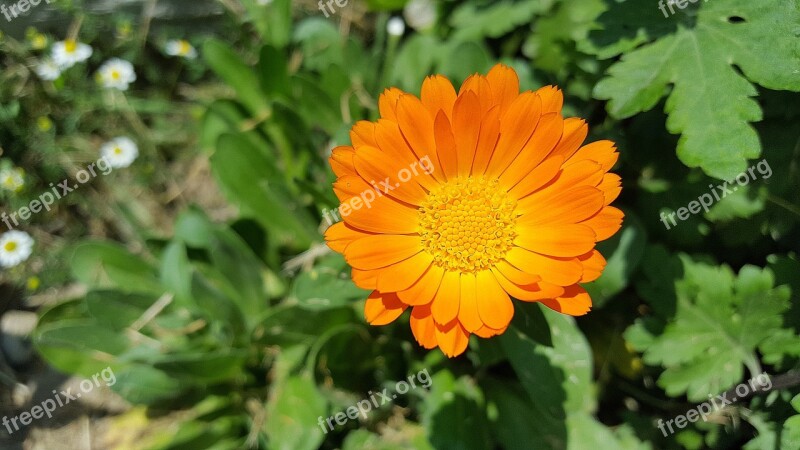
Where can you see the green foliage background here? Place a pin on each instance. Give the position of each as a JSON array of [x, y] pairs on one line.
[[256, 350]]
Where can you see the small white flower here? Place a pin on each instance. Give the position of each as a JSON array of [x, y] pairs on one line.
[[48, 70], [420, 14], [68, 53], [119, 152], [116, 74], [395, 26], [15, 247], [180, 47], [12, 179]]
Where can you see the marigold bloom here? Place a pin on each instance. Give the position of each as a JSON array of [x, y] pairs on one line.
[[513, 207]]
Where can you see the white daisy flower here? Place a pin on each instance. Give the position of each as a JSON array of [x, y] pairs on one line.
[[119, 152], [69, 52], [15, 247], [116, 74], [395, 26], [12, 179], [48, 70], [420, 14], [180, 47]]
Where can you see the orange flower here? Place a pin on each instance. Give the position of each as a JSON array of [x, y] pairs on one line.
[[512, 207]]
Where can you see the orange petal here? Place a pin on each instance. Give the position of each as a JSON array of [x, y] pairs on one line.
[[452, 338], [515, 275], [602, 152], [392, 142], [382, 308], [363, 133], [541, 143], [605, 223], [479, 85], [339, 235], [341, 161], [572, 206], [494, 306], [438, 94], [504, 83], [575, 131], [446, 301], [468, 309], [401, 276], [487, 141], [384, 215], [381, 250], [552, 99], [465, 113], [387, 103], [388, 174], [611, 187], [365, 279], [486, 332], [593, 265], [575, 301], [516, 127], [416, 124], [348, 186], [528, 293], [423, 327], [556, 240], [446, 146], [560, 271], [536, 178], [423, 291]]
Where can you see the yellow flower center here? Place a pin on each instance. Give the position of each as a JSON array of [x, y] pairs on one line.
[[70, 46], [115, 74], [10, 246], [117, 151], [467, 224], [184, 47]]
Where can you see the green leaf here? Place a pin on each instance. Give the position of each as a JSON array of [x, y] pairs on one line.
[[204, 367], [79, 346], [453, 414], [711, 103], [518, 425], [293, 412], [244, 174], [118, 310], [240, 76], [499, 18], [105, 264], [323, 288], [719, 321], [145, 385]]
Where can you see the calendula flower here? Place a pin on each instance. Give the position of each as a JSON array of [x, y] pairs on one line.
[[119, 152], [48, 70], [116, 74], [512, 207], [70, 52], [180, 47], [15, 248], [12, 179]]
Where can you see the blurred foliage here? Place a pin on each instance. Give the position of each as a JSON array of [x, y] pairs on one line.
[[249, 327]]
